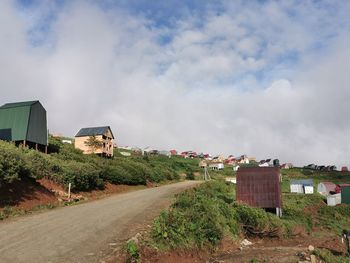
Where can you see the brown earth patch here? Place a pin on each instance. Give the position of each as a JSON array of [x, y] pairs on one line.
[[190, 256], [25, 194], [109, 190]]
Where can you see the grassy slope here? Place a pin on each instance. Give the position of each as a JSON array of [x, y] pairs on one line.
[[212, 214]]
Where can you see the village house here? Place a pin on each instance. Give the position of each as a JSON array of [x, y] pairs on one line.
[[231, 160], [326, 188], [203, 164], [165, 153], [243, 159], [97, 140], [173, 152], [189, 154], [24, 123], [344, 169], [302, 186], [287, 166], [216, 165], [265, 163]]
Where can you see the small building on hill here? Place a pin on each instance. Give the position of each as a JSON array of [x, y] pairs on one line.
[[24, 122], [97, 140], [216, 165], [302, 186], [260, 187], [326, 188]]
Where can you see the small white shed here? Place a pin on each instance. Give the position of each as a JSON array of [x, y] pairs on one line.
[[305, 186], [333, 200]]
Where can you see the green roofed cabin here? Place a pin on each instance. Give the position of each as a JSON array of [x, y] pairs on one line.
[[24, 122]]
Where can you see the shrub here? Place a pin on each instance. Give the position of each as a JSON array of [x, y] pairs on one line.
[[11, 163], [37, 164], [189, 174], [195, 219], [328, 257], [256, 221], [133, 251]]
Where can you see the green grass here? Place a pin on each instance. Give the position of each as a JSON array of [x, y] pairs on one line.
[[201, 217], [328, 257], [86, 172]]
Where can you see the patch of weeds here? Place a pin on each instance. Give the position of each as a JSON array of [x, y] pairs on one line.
[[328, 257], [9, 211], [44, 207], [133, 252]]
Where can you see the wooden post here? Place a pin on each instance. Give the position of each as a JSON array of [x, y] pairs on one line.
[[36, 146], [69, 186], [24, 143], [46, 149]]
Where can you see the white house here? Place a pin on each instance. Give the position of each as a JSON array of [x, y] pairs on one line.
[[216, 166], [304, 186]]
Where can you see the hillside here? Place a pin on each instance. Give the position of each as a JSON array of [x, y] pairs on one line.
[[207, 224], [26, 176]]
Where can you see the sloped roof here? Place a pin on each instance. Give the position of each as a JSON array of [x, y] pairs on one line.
[[93, 131], [329, 186], [18, 104], [302, 181]]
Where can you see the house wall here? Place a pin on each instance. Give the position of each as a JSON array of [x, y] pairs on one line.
[[37, 127], [107, 148]]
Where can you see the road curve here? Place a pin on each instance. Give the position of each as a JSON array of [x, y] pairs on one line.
[[86, 232]]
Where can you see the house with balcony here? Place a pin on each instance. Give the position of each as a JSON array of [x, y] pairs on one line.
[[96, 140]]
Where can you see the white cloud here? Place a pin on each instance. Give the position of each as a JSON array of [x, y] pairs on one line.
[[200, 90]]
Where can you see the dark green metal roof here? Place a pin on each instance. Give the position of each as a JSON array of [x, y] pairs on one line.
[[93, 131], [25, 120], [18, 104]]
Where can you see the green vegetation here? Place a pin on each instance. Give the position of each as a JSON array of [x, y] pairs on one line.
[[328, 257], [8, 211], [65, 165], [201, 217], [132, 251]]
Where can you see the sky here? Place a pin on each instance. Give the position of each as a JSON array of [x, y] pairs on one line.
[[268, 79]]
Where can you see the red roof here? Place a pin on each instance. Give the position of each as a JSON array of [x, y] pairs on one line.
[[259, 186], [339, 187], [329, 186]]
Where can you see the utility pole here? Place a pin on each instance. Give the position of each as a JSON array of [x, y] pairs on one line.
[[206, 174]]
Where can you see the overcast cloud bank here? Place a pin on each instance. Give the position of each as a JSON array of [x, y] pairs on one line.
[[269, 80]]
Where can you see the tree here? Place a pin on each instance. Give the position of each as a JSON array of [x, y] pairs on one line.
[[93, 143]]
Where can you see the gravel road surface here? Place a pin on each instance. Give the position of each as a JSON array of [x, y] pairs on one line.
[[86, 232]]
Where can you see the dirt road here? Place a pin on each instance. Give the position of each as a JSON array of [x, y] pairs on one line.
[[86, 232]]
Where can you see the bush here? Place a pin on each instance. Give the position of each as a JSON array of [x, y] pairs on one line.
[[195, 219], [256, 221], [328, 257], [201, 217], [37, 164], [69, 165], [12, 165], [189, 174], [83, 177]]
